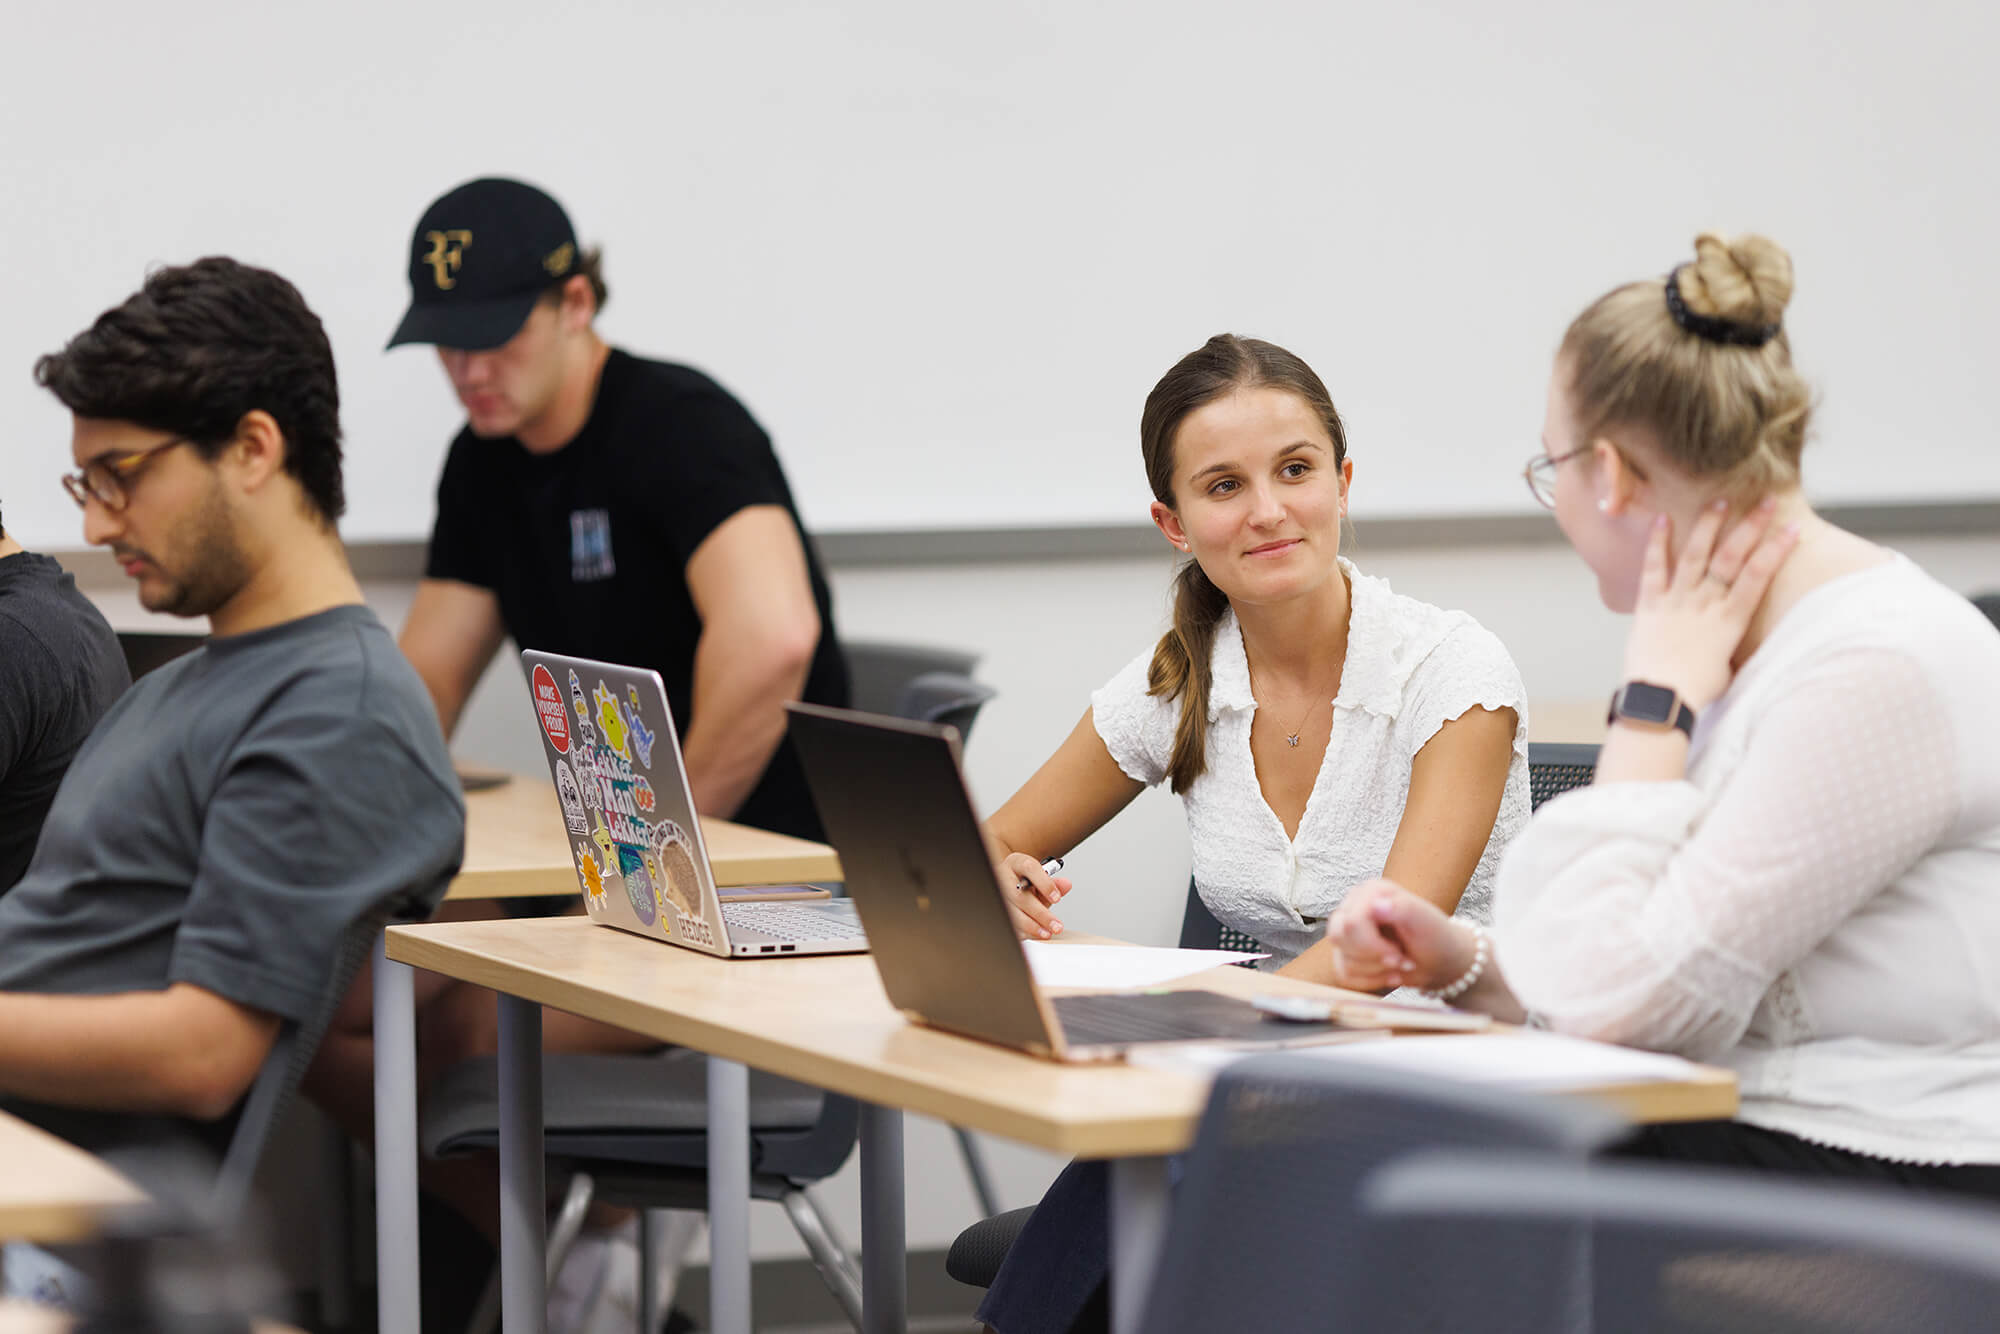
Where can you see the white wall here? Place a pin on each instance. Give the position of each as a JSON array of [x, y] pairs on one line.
[[942, 250], [1049, 632]]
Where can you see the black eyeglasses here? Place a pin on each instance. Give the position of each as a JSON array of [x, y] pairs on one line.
[[107, 478]]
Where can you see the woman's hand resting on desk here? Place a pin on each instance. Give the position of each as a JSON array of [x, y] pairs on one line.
[[1383, 936], [1031, 894]]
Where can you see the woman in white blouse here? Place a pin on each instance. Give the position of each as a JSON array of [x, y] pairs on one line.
[[1321, 729], [1318, 727], [1802, 880]]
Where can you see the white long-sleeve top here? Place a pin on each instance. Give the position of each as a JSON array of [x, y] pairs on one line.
[[1817, 904], [1411, 668]]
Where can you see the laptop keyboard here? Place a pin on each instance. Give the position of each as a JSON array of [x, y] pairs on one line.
[[1169, 1016], [791, 921]]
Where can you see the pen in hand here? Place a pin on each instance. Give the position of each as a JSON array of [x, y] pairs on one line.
[[1050, 865]]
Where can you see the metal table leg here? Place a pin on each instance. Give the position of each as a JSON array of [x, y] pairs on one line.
[[524, 1294], [397, 1308], [1139, 1204], [885, 1298], [728, 1196]]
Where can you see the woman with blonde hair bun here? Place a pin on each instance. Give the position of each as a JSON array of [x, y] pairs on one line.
[[1789, 862]]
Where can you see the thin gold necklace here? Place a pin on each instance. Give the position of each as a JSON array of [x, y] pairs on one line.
[[1292, 737]]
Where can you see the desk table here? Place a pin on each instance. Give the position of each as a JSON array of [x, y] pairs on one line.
[[52, 1191], [1571, 721], [825, 1021], [515, 846]]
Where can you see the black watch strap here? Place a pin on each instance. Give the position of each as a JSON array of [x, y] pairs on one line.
[[1653, 705]]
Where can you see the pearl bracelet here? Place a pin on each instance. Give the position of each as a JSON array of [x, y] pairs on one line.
[[1470, 976]]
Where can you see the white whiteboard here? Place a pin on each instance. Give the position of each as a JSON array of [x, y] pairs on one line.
[[943, 250]]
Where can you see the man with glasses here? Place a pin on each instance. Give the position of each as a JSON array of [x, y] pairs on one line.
[[240, 809], [60, 669], [605, 506]]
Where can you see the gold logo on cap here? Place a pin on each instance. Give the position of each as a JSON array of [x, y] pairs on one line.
[[447, 253], [559, 260]]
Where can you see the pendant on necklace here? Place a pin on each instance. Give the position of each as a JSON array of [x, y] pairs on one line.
[[1293, 739]]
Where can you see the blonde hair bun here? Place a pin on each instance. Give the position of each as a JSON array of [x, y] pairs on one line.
[[1745, 281]]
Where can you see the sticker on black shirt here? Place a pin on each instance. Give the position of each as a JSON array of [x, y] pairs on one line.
[[590, 546]]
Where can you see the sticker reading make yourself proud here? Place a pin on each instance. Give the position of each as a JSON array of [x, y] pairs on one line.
[[549, 704]]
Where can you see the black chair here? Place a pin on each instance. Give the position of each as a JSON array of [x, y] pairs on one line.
[[1264, 1230], [146, 649], [1671, 1248], [1201, 931], [878, 672], [277, 1080], [1554, 767], [1990, 604], [632, 1130], [1267, 1227]]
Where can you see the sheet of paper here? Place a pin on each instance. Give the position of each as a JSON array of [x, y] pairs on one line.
[[1119, 967], [1526, 1059]]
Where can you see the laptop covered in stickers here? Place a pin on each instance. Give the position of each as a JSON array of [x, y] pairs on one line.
[[615, 760]]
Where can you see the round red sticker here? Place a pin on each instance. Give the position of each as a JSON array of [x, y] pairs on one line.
[[549, 704]]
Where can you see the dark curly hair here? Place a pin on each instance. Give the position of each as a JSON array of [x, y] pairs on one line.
[[198, 347]]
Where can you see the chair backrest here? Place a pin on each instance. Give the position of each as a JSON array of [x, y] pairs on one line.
[[1263, 1227], [1554, 767], [146, 649], [1201, 931], [278, 1078], [944, 697], [1675, 1247], [878, 672]]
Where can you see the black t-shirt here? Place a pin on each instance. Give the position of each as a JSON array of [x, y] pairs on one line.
[[60, 669], [587, 547]]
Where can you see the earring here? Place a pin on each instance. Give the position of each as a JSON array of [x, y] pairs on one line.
[[1603, 505]]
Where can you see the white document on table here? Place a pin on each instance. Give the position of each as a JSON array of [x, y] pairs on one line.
[[1523, 1059], [1119, 967]]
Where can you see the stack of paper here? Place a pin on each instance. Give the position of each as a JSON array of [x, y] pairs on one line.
[[1119, 967]]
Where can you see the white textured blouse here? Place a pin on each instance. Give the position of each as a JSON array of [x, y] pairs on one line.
[[1817, 904], [1410, 669]]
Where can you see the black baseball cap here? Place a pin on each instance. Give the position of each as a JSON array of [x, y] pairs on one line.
[[481, 257]]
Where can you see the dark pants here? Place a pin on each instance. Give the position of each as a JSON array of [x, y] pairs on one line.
[[1734, 1144], [1056, 1276]]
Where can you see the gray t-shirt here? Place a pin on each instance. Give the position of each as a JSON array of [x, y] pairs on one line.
[[235, 812], [60, 669]]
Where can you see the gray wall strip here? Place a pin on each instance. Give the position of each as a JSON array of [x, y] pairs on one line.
[[390, 560]]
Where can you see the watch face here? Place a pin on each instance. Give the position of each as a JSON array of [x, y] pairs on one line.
[[1646, 703]]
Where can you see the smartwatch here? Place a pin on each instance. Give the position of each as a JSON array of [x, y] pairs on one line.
[[1648, 705]]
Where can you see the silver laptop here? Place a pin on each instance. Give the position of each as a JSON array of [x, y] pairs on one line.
[[640, 862], [895, 806]]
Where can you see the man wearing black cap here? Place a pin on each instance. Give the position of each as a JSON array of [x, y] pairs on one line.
[[609, 507]]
